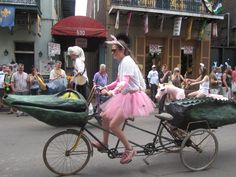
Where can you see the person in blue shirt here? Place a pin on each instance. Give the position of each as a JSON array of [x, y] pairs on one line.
[[100, 79]]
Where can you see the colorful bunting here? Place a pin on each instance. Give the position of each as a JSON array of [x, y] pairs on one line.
[[117, 20], [189, 28], [214, 30], [128, 22], [39, 25], [146, 24], [214, 6], [162, 23]]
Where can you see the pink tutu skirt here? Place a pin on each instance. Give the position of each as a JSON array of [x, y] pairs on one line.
[[131, 105]]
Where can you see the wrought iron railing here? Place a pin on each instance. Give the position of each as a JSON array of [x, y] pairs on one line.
[[192, 6], [21, 2]]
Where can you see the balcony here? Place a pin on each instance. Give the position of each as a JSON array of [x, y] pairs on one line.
[[31, 5], [194, 8]]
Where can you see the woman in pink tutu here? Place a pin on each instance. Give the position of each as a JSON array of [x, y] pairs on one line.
[[128, 98]]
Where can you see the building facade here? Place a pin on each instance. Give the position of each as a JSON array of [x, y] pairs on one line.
[[224, 46], [177, 33], [27, 41]]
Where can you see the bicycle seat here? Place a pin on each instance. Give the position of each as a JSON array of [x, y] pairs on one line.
[[164, 116]]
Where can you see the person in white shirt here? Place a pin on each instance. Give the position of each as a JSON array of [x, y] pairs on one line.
[[20, 84], [77, 55], [57, 72], [153, 80], [20, 81], [2, 76]]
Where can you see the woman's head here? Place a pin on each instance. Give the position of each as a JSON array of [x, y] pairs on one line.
[[76, 52], [34, 70], [202, 70], [176, 70], [58, 64], [119, 48]]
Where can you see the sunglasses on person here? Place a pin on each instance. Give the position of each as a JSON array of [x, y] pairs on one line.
[[113, 50]]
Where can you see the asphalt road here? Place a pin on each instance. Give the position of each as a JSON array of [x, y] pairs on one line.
[[22, 140]]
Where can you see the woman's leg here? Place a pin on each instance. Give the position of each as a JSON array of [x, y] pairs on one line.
[[200, 95], [193, 94], [105, 125], [115, 124]]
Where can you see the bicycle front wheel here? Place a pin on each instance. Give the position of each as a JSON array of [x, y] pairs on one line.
[[199, 149], [65, 153]]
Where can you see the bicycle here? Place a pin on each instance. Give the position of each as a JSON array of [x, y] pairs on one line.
[[69, 151]]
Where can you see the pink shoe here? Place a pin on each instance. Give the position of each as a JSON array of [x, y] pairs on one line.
[[127, 156], [99, 147]]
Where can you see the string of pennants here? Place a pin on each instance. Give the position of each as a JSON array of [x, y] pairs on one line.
[[214, 8]]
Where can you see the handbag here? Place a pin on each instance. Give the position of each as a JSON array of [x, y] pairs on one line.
[[80, 79]]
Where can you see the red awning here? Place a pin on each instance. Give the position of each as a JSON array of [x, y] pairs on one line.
[[79, 26]]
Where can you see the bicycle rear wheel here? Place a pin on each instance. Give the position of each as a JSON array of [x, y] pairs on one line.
[[199, 149], [62, 156]]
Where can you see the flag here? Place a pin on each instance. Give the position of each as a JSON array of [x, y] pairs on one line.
[[117, 20], [177, 26], [7, 16], [218, 9], [38, 25], [128, 22], [162, 23], [146, 24], [214, 30], [189, 28]]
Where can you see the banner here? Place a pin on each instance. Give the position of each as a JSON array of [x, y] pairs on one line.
[[7, 16], [29, 23], [177, 26], [54, 49], [117, 20], [146, 24], [128, 22], [214, 6], [38, 25]]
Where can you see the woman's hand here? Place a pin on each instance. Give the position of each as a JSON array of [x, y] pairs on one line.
[[104, 91]]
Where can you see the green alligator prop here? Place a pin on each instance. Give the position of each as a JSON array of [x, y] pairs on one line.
[[215, 112], [67, 108]]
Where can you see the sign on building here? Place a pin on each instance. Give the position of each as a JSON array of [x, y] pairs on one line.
[[81, 42], [53, 49]]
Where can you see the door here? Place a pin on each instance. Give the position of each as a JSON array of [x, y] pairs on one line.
[[186, 63], [24, 53]]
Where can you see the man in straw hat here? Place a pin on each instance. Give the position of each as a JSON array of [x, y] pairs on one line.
[[80, 74]]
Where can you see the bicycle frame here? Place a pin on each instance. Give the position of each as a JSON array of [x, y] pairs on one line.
[[147, 149]]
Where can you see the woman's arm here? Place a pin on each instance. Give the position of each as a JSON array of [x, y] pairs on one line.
[[224, 81], [121, 85], [113, 84], [206, 78], [165, 75]]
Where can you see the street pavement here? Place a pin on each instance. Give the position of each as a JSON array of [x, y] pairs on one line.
[[22, 140]]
